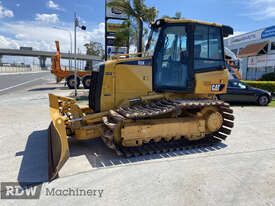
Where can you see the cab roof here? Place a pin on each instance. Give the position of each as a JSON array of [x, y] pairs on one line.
[[166, 20], [227, 30]]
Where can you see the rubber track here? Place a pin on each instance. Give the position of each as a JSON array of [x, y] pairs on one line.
[[161, 107]]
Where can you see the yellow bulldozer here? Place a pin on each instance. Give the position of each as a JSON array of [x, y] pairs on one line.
[[160, 101]]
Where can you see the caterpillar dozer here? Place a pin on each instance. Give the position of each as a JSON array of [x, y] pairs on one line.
[[160, 101]]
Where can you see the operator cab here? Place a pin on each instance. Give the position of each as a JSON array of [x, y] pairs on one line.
[[181, 48]]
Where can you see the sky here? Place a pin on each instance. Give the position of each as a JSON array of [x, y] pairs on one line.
[[38, 23]]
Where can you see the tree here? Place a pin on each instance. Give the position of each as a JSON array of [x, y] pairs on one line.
[[123, 35], [128, 33], [137, 10], [178, 15], [93, 48]]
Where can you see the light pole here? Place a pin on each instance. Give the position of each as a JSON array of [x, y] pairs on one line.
[[71, 51], [76, 24]]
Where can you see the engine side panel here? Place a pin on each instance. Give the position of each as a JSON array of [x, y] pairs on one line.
[[124, 80], [132, 81], [211, 82]]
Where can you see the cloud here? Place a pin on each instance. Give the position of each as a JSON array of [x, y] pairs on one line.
[[98, 33], [18, 5], [4, 12], [261, 9], [255, 2], [42, 36], [54, 6], [8, 43], [82, 21], [47, 18]]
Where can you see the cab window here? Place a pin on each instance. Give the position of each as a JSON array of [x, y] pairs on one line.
[[153, 38], [207, 47]]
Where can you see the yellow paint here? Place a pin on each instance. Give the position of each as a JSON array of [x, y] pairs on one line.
[[59, 125], [107, 95], [135, 133], [191, 21], [204, 82], [123, 82], [86, 132], [132, 82]]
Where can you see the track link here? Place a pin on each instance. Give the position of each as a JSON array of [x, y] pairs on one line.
[[162, 107], [164, 147]]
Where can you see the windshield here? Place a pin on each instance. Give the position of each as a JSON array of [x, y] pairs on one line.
[[237, 84], [152, 41], [242, 85]]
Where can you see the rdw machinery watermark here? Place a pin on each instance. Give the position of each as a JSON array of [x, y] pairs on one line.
[[13, 190], [73, 192]]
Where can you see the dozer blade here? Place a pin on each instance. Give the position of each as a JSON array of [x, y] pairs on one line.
[[58, 149]]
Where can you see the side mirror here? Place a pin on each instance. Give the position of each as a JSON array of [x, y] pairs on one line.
[[227, 30], [183, 57]]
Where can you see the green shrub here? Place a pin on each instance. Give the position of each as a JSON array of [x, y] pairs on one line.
[[268, 77], [266, 85]]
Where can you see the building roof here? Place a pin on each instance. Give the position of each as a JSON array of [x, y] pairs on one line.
[[252, 49]]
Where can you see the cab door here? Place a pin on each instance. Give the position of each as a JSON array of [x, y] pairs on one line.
[[169, 71]]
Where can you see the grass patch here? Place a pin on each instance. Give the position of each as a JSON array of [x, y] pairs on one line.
[[272, 103], [265, 85]]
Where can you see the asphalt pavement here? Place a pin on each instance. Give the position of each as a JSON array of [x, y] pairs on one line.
[[19, 81]]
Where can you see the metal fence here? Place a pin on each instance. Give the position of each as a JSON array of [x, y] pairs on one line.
[[15, 69]]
